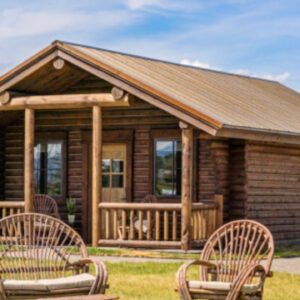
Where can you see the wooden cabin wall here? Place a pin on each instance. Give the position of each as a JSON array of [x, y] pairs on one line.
[[273, 188], [213, 169], [1, 163], [238, 180]]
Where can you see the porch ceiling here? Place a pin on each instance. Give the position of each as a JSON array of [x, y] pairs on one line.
[[69, 79]]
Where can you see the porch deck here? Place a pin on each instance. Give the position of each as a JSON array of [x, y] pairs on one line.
[[144, 225]]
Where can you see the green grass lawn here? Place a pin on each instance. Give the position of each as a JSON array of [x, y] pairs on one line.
[[153, 281], [280, 251]]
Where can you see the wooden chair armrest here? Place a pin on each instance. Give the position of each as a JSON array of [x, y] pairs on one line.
[[101, 274], [2, 291], [243, 277], [181, 281]]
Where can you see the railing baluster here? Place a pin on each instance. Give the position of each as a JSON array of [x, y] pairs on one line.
[[166, 225], [131, 225], [123, 224], [115, 223], [157, 225], [174, 225], [107, 225], [140, 218], [149, 225]]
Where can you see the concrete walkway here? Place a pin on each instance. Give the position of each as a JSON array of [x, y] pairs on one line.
[[289, 265]]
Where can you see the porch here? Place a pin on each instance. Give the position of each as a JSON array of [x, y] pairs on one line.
[[144, 225]]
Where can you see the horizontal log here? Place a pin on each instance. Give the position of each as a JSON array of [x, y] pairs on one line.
[[63, 101], [58, 63], [11, 204], [156, 206], [141, 206], [140, 244]]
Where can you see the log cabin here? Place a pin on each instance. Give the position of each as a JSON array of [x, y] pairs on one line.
[[109, 129]]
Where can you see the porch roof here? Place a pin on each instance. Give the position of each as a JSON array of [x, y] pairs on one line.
[[228, 104]]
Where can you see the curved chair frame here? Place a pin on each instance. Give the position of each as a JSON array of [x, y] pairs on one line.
[[37, 247], [44, 204], [233, 254]]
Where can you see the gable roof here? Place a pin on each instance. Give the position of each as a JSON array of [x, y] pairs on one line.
[[221, 100]]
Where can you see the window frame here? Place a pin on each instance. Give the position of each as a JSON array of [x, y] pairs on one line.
[[175, 168], [162, 135], [57, 137]]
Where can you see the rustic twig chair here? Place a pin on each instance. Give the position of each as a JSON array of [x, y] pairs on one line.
[[44, 204], [230, 264], [37, 259]]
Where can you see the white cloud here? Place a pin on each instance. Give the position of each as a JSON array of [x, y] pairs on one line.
[[164, 5], [281, 77], [197, 63], [138, 4], [17, 23]]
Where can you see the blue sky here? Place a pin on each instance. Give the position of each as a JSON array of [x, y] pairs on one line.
[[253, 37]]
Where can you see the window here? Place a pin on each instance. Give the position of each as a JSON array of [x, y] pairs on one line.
[[48, 167], [167, 181], [112, 173]]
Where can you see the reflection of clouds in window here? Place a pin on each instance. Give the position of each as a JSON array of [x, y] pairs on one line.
[[164, 146]]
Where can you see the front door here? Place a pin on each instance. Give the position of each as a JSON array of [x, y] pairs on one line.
[[113, 177], [114, 173]]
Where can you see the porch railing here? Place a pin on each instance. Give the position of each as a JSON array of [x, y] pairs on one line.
[[156, 225], [8, 208]]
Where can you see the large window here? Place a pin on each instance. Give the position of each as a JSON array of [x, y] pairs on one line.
[[167, 179], [48, 167]]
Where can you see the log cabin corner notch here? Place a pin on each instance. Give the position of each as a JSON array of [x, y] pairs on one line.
[[112, 128]]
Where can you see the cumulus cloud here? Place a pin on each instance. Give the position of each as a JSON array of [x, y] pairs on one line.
[[281, 77], [197, 63]]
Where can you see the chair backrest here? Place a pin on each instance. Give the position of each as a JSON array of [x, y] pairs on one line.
[[149, 198], [36, 246], [44, 204], [236, 245]]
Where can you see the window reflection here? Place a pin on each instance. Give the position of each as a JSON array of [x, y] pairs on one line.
[[167, 179], [48, 168], [112, 173]]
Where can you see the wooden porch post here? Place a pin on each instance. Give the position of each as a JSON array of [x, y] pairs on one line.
[[96, 173], [28, 159], [186, 184]]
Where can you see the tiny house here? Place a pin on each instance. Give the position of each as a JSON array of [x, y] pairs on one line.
[[155, 154]]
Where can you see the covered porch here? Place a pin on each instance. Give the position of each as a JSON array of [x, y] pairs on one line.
[[184, 224]]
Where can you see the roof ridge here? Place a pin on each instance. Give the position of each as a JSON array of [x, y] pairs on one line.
[[165, 61]]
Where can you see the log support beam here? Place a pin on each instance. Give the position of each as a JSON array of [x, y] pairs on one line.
[[186, 184], [28, 160], [96, 173], [10, 102]]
